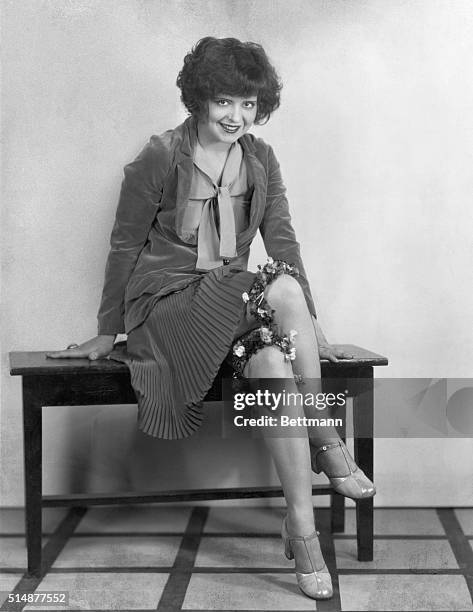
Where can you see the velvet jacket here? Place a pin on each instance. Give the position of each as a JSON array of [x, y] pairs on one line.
[[151, 255]]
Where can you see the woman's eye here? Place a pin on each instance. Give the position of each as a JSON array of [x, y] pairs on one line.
[[222, 102], [250, 104]]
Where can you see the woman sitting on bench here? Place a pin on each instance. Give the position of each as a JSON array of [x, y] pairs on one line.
[[176, 282]]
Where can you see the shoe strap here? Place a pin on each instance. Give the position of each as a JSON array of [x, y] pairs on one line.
[[304, 538], [306, 556], [327, 447]]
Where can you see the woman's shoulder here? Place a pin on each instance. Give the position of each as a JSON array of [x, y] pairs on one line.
[[155, 160], [158, 155], [259, 147], [165, 145]]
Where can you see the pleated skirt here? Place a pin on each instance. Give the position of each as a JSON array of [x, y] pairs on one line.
[[175, 355]]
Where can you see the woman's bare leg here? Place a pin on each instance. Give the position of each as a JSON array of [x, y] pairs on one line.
[[290, 454], [285, 296], [287, 299]]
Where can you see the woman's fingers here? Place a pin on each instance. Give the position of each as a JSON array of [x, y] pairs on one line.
[[88, 350], [75, 353], [333, 354], [326, 352], [341, 354], [97, 354]]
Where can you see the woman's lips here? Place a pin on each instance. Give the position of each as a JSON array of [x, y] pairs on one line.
[[229, 128]]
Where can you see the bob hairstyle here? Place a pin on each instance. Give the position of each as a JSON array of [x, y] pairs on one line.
[[218, 66]]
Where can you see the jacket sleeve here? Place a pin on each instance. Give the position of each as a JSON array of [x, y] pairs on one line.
[[140, 196], [276, 227]]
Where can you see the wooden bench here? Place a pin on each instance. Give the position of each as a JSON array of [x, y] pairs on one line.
[[80, 382]]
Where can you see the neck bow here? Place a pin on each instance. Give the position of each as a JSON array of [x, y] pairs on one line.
[[217, 237]]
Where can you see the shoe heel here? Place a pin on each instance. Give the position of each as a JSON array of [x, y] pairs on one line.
[[287, 544], [313, 459]]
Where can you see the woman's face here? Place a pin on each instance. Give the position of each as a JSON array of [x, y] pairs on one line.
[[229, 117]]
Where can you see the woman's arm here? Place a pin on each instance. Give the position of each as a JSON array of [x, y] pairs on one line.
[[140, 196]]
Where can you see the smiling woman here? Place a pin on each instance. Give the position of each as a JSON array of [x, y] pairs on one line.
[[176, 281]]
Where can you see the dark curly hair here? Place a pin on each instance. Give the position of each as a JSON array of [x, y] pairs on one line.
[[217, 66]]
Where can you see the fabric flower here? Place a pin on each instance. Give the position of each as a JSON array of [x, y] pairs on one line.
[[266, 335], [291, 355], [239, 350], [245, 297], [285, 342], [292, 335]]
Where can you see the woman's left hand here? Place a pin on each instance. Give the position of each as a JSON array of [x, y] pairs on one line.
[[326, 350]]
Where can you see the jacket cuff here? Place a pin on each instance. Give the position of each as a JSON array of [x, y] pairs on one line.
[[110, 325]]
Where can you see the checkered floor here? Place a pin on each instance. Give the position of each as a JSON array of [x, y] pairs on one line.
[[200, 558]]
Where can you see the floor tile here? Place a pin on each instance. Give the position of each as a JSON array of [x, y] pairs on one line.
[[245, 592], [244, 520], [13, 551], [241, 552], [135, 519], [7, 584], [399, 521], [400, 592], [118, 551], [97, 591], [465, 518], [398, 554], [12, 520]]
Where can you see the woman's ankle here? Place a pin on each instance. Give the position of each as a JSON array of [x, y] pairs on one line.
[[300, 523]]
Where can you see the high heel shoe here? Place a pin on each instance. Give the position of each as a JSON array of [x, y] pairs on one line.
[[355, 484], [313, 581]]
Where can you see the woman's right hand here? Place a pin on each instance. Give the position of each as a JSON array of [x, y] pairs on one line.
[[95, 348]]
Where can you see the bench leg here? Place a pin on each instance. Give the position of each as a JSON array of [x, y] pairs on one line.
[[337, 503], [32, 450], [363, 405]]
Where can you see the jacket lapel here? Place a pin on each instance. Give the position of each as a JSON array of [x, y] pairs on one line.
[[185, 168], [257, 176]]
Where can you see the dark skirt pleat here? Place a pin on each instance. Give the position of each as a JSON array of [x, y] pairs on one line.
[[176, 353]]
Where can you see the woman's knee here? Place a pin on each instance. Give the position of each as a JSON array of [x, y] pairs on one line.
[[284, 290], [268, 362]]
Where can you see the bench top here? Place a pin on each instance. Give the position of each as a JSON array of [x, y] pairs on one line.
[[24, 363]]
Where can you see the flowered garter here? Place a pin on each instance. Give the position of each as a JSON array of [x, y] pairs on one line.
[[267, 334]]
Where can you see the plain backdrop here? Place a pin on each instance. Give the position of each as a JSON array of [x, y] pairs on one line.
[[375, 140]]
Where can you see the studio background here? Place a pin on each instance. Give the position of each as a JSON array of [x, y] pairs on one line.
[[375, 141]]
